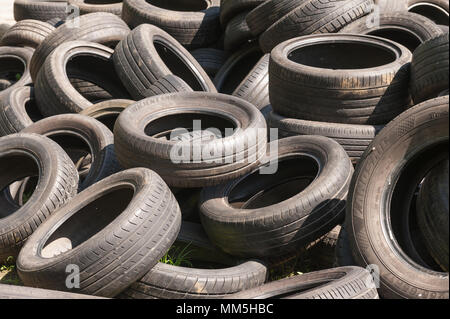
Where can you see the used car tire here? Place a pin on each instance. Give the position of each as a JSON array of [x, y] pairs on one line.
[[55, 93], [336, 283], [23, 155], [100, 27], [195, 24], [433, 213], [351, 89], [406, 28], [269, 12], [111, 6], [140, 144], [14, 61], [18, 111], [354, 138], [210, 59], [27, 33], [436, 10], [129, 222], [148, 54], [73, 132], [269, 215], [429, 69], [107, 112], [168, 84], [390, 171], [18, 292], [313, 17], [166, 281], [237, 32], [231, 8], [236, 68], [41, 10]]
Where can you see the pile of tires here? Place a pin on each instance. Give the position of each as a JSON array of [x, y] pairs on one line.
[[245, 134]]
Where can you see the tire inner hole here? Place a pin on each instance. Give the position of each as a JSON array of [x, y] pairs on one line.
[[87, 222], [293, 176], [180, 5], [11, 70], [402, 36], [432, 12], [342, 55]]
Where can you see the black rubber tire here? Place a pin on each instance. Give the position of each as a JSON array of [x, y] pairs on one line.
[[168, 84], [107, 112], [269, 12], [354, 138], [416, 139], [275, 227], [19, 111], [27, 33], [429, 69], [100, 27], [54, 92], [130, 233], [343, 252], [165, 281], [210, 59], [96, 136], [255, 87], [4, 27], [193, 29], [237, 32], [41, 10], [56, 22], [111, 6], [313, 17], [336, 283], [138, 146], [433, 213], [321, 252], [32, 154], [18, 292], [390, 6], [406, 28], [139, 63], [360, 94], [236, 68], [231, 8], [14, 60], [439, 13]]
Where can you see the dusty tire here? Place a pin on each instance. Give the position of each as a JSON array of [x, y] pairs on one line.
[[436, 10], [211, 60], [255, 87], [429, 69], [401, 153], [236, 69], [103, 28], [39, 10], [23, 155], [14, 61], [18, 111], [408, 29], [354, 138], [116, 248], [289, 215], [17, 292], [27, 33], [343, 252], [314, 17], [231, 8], [168, 84], [107, 112], [195, 28], [362, 93], [337, 283], [55, 93], [140, 144], [111, 6], [237, 33], [161, 55], [174, 282], [432, 210], [268, 13], [90, 135]]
